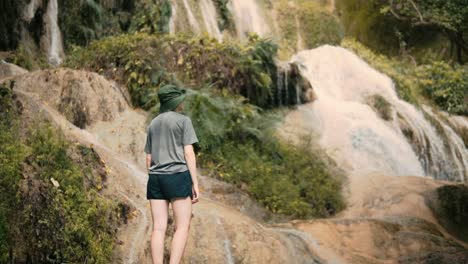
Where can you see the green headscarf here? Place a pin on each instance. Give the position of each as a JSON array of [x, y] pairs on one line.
[[170, 96]]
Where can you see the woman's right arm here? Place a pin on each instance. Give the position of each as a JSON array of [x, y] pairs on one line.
[[192, 166]]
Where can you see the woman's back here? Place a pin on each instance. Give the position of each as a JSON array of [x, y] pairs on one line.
[[168, 133]]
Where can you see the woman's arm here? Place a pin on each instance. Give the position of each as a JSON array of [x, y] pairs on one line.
[[148, 161], [190, 158]]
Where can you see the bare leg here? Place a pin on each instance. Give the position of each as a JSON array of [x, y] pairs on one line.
[[159, 210], [182, 208]]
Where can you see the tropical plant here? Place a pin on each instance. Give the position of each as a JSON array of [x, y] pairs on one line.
[[148, 61], [152, 16], [449, 18], [446, 85]]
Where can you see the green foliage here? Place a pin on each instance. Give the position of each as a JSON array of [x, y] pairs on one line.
[[288, 28], [403, 75], [148, 61], [382, 106], [449, 18], [9, 24], [12, 153], [225, 18], [446, 85], [24, 58], [318, 26], [80, 21], [286, 179], [420, 29], [238, 145], [42, 222], [152, 16], [363, 20]]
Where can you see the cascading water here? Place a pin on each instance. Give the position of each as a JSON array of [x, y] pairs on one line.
[[173, 17], [30, 10], [248, 18], [455, 148], [355, 135], [209, 18], [191, 18], [54, 36]]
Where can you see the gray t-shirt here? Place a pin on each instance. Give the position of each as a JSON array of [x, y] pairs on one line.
[[167, 134]]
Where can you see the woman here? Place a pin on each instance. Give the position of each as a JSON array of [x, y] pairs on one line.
[[171, 164]]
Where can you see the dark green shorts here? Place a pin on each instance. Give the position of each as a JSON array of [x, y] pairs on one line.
[[169, 186]]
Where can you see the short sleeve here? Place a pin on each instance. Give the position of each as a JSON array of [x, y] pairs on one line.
[[190, 137], [148, 141]]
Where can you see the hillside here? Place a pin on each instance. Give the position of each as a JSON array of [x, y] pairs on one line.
[[329, 131]]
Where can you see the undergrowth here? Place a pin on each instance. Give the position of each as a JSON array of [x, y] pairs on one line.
[[51, 209]]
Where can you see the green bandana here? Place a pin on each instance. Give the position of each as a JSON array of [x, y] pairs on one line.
[[170, 96]]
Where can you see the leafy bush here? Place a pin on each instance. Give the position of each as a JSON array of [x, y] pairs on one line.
[[446, 85], [318, 26], [286, 179], [48, 212], [148, 61], [288, 28], [12, 153], [80, 21], [152, 16], [225, 21]]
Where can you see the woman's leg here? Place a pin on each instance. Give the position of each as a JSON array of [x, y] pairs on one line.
[[159, 210], [182, 208]]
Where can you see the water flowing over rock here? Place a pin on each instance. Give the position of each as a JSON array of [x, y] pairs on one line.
[[248, 18], [30, 9], [191, 18], [173, 17], [52, 39], [210, 18], [292, 88], [353, 132]]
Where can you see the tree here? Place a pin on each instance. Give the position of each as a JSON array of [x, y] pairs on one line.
[[448, 17]]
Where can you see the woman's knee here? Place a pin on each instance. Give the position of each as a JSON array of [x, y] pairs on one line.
[[183, 227], [159, 227]]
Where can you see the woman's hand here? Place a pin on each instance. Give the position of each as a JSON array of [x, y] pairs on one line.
[[196, 194]]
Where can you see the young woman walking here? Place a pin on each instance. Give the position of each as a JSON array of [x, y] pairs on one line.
[[171, 164]]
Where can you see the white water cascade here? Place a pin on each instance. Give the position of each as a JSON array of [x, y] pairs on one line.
[[191, 18], [209, 18], [54, 36], [173, 17], [30, 9], [354, 134], [248, 17]]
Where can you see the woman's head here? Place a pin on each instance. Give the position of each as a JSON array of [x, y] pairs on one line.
[[171, 98]]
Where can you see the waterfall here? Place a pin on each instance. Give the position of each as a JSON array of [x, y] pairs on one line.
[[30, 10], [209, 18], [458, 164], [191, 18], [248, 18], [354, 134], [173, 18], [54, 36], [279, 86]]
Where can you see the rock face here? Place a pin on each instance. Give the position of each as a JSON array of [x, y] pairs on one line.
[[387, 219], [84, 98], [10, 70]]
